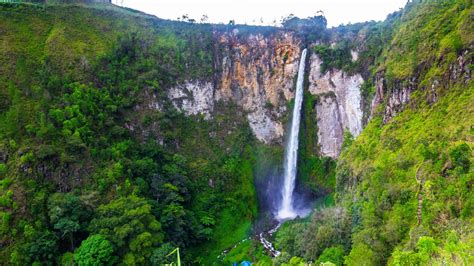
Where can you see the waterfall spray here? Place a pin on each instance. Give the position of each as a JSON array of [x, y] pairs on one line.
[[286, 210]]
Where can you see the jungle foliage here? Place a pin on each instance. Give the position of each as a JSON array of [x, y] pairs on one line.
[[405, 184], [77, 183]]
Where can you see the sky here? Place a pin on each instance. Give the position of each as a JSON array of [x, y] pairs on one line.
[[266, 12]]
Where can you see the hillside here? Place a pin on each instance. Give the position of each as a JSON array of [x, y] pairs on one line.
[[124, 136], [404, 185], [78, 135]]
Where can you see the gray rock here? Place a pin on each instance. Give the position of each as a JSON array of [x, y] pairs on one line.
[[193, 97], [340, 105], [330, 133]]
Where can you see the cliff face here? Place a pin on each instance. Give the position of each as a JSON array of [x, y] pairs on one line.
[[396, 96], [338, 108], [256, 72]]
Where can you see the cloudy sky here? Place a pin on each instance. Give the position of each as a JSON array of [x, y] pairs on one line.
[[255, 11]]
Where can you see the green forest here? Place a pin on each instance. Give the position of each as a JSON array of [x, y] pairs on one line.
[[90, 175]]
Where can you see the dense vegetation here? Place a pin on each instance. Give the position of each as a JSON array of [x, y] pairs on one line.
[[77, 183], [403, 187], [98, 167]]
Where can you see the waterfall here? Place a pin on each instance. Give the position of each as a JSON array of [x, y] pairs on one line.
[[286, 210]]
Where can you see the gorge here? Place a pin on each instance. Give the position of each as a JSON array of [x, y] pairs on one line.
[[124, 136]]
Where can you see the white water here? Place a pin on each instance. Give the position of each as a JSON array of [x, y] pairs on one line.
[[286, 210]]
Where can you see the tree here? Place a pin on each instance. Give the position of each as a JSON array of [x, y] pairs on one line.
[[129, 224], [159, 256], [295, 261], [334, 255], [292, 22], [68, 214], [43, 248], [291, 239], [204, 18], [171, 192], [360, 254], [311, 28], [460, 157], [329, 227], [95, 250]]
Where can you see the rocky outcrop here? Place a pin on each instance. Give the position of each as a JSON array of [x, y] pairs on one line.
[[339, 105], [256, 72], [330, 133], [193, 98], [396, 95]]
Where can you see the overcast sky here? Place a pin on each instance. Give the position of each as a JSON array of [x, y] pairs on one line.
[[254, 11]]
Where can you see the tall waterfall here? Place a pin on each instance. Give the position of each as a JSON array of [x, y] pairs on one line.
[[286, 210]]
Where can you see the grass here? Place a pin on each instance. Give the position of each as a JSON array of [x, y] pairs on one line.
[[386, 159], [428, 30], [249, 250]]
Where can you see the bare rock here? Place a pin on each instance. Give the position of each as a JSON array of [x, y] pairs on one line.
[[330, 133], [340, 105], [193, 98], [257, 73]]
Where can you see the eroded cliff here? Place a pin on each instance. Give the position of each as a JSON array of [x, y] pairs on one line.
[[257, 72], [338, 108]]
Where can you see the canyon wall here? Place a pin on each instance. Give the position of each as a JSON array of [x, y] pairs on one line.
[[338, 106], [254, 71], [395, 96], [258, 72]]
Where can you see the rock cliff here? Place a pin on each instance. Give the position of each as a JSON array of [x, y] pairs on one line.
[[338, 108], [254, 71], [258, 72], [396, 95]]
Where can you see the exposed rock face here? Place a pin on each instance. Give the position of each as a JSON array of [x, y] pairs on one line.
[[354, 55], [339, 107], [461, 70], [379, 93], [399, 96], [256, 72], [396, 95], [330, 133], [193, 98]]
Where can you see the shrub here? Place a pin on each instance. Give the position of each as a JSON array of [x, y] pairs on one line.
[[328, 227], [360, 255], [334, 255], [95, 250], [460, 157]]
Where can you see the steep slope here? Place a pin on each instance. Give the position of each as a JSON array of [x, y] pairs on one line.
[[105, 108], [407, 179], [86, 125], [403, 190]]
